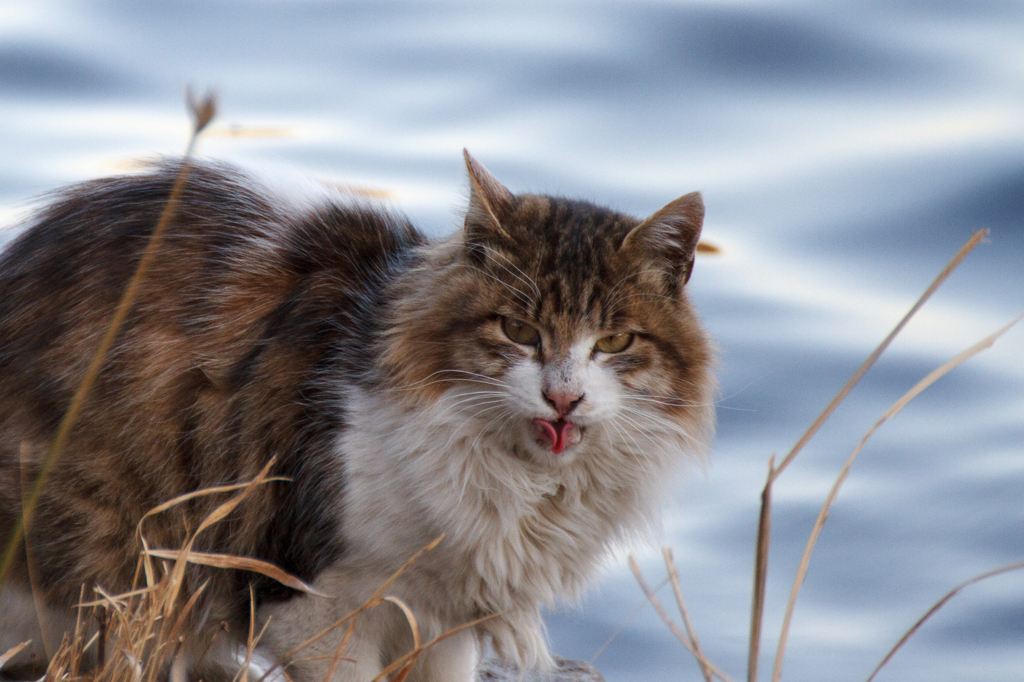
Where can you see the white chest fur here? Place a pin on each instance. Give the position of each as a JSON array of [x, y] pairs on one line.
[[517, 533]]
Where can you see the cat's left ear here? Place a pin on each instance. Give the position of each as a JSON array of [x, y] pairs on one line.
[[490, 202], [671, 235]]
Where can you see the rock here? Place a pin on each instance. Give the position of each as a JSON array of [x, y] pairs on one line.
[[493, 670]]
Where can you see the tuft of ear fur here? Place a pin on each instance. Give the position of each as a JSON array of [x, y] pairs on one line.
[[671, 235], [489, 203]]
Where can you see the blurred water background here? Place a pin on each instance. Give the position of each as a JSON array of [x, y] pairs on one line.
[[845, 151]]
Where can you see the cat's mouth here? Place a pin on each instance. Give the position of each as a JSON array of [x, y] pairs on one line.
[[555, 435]]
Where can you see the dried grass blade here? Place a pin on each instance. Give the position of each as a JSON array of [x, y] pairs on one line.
[[410, 617], [338, 651], [203, 109], [289, 657], [401, 569], [12, 652], [202, 114], [1008, 568], [408, 660], [412, 656], [108, 600], [172, 583], [105, 601], [147, 563], [181, 559], [638, 574], [895, 409], [670, 566], [218, 514], [845, 390], [202, 493], [622, 625], [249, 644], [370, 603], [403, 674], [30, 556], [239, 562], [764, 542], [187, 609]]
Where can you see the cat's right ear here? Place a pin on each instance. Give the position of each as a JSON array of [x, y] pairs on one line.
[[489, 203], [671, 235]]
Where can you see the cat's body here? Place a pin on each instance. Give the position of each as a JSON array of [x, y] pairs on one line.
[[523, 387]]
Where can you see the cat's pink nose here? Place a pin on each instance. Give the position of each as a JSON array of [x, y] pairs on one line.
[[564, 402]]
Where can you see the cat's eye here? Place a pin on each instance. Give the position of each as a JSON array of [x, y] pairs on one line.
[[520, 332], [616, 343]]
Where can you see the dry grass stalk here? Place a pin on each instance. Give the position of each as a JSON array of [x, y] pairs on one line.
[[67, 661], [663, 614], [410, 617], [898, 406], [670, 566], [862, 370], [181, 556], [403, 666], [708, 249], [244, 563], [252, 640], [377, 598], [11, 653], [764, 524], [202, 112], [30, 555], [1008, 568], [764, 541], [625, 622], [143, 629]]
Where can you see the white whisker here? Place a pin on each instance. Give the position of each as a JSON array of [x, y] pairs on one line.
[[518, 274], [520, 295]]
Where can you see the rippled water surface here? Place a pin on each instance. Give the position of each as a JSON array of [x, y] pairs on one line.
[[845, 151]]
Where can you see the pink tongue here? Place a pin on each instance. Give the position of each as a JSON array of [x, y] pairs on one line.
[[553, 433]]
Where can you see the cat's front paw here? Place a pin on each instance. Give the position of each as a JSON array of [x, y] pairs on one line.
[[520, 640]]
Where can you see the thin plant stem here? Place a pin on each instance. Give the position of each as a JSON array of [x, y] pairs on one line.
[[374, 600], [764, 541], [764, 522], [845, 390], [11, 653], [632, 614], [898, 406], [670, 566], [405, 662], [30, 560], [1008, 568], [660, 609], [202, 111]]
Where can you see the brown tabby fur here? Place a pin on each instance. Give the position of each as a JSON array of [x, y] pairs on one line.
[[257, 313]]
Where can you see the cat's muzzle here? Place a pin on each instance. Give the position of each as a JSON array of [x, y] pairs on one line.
[[555, 435]]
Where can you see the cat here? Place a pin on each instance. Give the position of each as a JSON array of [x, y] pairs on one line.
[[524, 388]]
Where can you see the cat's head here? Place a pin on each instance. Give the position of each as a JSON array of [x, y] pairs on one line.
[[554, 322]]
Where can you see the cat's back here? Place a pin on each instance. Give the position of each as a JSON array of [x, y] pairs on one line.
[[231, 240], [251, 299], [237, 261]]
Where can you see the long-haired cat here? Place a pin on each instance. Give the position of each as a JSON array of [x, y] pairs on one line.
[[524, 387]]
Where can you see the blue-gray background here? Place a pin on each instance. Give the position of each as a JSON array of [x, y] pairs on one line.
[[845, 151]]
